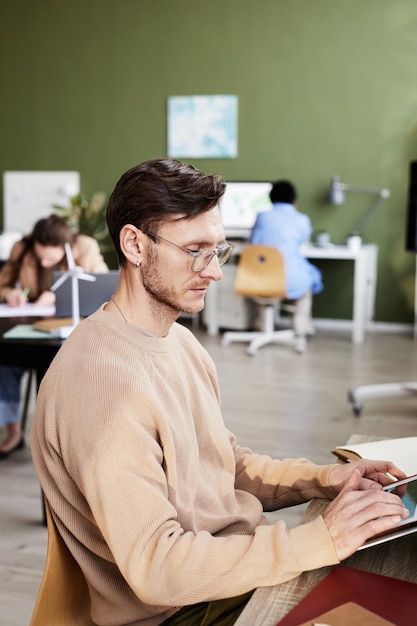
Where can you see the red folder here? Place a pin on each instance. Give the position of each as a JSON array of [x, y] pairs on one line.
[[389, 598]]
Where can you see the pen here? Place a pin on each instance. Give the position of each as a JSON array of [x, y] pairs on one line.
[[26, 292]]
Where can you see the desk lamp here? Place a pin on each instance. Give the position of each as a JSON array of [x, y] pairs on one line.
[[76, 273], [337, 196]]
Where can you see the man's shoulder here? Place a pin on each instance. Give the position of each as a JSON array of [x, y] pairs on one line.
[[184, 333], [188, 339]]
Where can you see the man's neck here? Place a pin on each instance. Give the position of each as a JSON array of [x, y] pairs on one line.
[[147, 318]]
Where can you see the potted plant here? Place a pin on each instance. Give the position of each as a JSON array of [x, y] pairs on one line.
[[88, 216]]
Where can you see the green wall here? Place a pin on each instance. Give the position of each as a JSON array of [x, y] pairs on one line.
[[325, 87]]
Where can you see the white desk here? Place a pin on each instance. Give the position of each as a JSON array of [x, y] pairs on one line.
[[364, 285]]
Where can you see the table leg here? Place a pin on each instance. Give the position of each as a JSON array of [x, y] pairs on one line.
[[360, 301], [210, 312]]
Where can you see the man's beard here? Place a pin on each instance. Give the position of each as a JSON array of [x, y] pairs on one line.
[[161, 293]]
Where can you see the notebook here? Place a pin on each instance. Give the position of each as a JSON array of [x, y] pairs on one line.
[[402, 451], [91, 294]]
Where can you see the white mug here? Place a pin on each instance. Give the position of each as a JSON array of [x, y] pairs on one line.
[[322, 239], [354, 242]]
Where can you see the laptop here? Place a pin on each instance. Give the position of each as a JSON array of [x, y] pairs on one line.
[[91, 294]]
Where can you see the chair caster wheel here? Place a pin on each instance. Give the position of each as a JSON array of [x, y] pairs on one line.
[[357, 409]]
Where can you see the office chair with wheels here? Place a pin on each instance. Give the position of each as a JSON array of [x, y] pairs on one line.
[[63, 598], [357, 395], [260, 276]]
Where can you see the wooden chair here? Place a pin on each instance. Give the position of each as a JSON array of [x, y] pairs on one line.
[[261, 277], [63, 598]]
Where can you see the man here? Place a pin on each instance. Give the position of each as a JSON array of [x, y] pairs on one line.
[[286, 228], [160, 506]]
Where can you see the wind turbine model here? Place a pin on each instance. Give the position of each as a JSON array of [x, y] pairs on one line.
[[76, 273]]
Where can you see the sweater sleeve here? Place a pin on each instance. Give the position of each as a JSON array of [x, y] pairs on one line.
[[158, 557], [280, 483]]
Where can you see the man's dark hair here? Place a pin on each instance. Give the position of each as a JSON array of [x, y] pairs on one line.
[[283, 191], [157, 191]]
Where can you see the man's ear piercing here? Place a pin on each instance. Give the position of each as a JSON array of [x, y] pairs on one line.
[[137, 263]]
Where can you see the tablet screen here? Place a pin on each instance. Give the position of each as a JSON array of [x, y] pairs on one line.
[[407, 490]]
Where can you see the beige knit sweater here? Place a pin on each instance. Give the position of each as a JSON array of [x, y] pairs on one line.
[[154, 497]]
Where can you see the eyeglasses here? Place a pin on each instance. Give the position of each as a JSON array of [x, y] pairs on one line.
[[201, 258]]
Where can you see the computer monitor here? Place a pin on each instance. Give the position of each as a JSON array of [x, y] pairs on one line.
[[411, 230], [240, 204], [91, 294]]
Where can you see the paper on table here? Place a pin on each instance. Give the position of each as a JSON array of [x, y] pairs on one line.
[[25, 331], [26, 310]]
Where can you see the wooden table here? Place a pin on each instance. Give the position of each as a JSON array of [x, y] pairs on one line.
[[396, 558]]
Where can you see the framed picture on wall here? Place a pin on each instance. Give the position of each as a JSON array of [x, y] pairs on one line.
[[202, 127]]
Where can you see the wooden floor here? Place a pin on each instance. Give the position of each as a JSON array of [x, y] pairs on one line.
[[278, 402]]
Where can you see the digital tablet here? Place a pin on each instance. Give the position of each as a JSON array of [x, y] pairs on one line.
[[407, 490]]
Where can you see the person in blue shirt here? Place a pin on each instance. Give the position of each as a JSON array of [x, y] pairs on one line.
[[286, 228]]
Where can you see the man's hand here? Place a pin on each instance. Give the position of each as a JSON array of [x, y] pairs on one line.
[[360, 511], [374, 474]]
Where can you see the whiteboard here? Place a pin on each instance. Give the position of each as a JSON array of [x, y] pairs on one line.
[[29, 196]]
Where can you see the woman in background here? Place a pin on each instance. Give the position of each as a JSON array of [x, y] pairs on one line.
[[27, 277]]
